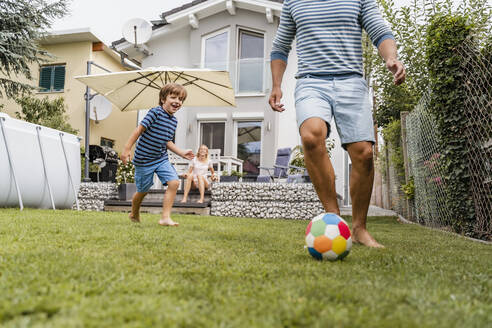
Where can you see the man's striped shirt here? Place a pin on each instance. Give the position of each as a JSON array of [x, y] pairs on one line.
[[328, 34], [160, 128]]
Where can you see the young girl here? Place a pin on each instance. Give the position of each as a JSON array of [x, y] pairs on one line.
[[197, 173]]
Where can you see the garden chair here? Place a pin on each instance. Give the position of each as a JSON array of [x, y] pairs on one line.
[[281, 167]]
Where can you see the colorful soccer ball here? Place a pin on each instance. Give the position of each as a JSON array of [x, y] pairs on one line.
[[328, 237]]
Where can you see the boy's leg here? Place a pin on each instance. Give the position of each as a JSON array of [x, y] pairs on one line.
[[167, 203], [361, 180], [144, 176], [313, 134], [136, 201], [187, 187], [201, 187]]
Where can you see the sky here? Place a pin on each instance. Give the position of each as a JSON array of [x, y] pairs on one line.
[[105, 18]]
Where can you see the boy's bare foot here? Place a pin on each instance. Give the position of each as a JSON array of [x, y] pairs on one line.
[[133, 218], [362, 236], [200, 201], [183, 200], [168, 223]]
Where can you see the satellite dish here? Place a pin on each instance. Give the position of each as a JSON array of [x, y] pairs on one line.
[[100, 108], [137, 31]]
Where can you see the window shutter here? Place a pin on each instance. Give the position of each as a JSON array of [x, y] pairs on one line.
[[45, 78], [59, 80]]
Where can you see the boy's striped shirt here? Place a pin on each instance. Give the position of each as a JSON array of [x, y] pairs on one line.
[[328, 34], [160, 128]]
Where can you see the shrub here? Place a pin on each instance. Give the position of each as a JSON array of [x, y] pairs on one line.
[[444, 35], [49, 113]]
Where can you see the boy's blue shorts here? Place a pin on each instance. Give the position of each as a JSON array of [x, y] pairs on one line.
[[144, 175]]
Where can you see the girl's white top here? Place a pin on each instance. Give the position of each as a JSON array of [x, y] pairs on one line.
[[200, 168]]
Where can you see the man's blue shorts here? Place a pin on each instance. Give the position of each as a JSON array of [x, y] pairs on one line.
[[144, 175], [344, 99]]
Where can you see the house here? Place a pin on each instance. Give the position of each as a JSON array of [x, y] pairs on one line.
[[72, 51], [232, 35]]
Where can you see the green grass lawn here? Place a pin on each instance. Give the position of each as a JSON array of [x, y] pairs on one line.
[[96, 269]]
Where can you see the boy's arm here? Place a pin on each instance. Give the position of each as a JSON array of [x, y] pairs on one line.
[[125, 155], [188, 154]]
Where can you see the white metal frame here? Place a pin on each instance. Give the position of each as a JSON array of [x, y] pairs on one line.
[[211, 35], [199, 134], [238, 52], [234, 139]]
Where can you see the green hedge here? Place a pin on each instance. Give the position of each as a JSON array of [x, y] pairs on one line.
[[444, 35]]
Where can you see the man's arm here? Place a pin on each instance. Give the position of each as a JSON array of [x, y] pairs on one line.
[[278, 68], [188, 154], [125, 155], [387, 50]]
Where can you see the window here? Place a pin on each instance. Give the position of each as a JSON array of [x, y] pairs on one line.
[[107, 142], [250, 62], [215, 53], [249, 145], [212, 134], [52, 78]]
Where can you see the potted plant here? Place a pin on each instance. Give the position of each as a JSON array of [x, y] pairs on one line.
[[125, 180], [233, 177]]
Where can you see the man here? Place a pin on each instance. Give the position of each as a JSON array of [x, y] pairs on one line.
[[330, 85]]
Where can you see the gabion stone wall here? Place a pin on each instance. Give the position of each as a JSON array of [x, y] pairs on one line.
[[266, 200], [93, 194]]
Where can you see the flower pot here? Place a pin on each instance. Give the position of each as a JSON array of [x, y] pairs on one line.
[[126, 191], [229, 178]]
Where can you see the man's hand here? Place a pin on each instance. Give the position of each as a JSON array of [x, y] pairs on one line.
[[125, 156], [398, 70], [188, 154], [274, 101]]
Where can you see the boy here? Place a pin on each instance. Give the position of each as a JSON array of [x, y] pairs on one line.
[[155, 135]]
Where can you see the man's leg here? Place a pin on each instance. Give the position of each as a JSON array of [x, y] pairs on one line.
[[167, 203], [361, 180], [313, 134], [136, 201]]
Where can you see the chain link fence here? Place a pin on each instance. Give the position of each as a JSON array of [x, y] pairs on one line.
[[477, 72], [426, 158]]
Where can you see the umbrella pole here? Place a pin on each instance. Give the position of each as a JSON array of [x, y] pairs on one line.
[[88, 98], [87, 126]]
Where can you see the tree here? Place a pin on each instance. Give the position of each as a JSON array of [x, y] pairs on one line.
[[22, 23], [409, 25], [45, 112]]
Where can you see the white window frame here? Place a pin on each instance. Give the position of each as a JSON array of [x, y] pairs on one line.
[[238, 53], [211, 35], [199, 134], [234, 139]]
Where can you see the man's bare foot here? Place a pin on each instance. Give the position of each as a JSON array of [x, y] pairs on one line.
[[183, 200], [362, 236], [168, 223], [133, 218]]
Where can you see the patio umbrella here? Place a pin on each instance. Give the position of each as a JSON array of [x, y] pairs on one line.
[[134, 90]]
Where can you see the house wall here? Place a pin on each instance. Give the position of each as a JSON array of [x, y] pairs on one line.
[[75, 55]]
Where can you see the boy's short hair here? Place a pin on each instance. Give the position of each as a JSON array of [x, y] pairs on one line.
[[172, 89]]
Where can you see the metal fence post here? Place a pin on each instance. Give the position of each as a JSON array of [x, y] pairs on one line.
[[11, 164]]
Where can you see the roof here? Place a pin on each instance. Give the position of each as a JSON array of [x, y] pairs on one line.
[[72, 35], [160, 23], [194, 3], [80, 35]]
